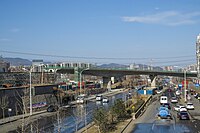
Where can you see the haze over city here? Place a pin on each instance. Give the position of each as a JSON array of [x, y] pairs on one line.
[[162, 32]]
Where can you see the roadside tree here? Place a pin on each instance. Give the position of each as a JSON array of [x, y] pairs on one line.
[[100, 117]]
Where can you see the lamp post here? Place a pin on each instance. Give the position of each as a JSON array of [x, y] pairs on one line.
[[81, 78], [185, 95], [185, 88], [30, 94]]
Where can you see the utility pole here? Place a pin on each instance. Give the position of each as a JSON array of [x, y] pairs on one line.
[[81, 78], [185, 95], [30, 93]]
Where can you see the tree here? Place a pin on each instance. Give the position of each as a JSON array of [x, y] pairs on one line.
[[4, 104], [101, 119], [118, 109]]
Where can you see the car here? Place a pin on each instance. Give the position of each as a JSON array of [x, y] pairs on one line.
[[164, 113], [196, 95], [190, 106], [167, 105], [98, 97], [178, 93], [169, 90], [159, 91], [105, 100], [177, 107], [52, 108], [180, 108], [80, 100], [174, 100], [163, 99], [183, 115]]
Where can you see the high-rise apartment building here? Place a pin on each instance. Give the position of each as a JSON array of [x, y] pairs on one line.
[[198, 55]]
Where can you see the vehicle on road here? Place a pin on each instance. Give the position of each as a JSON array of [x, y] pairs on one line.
[[190, 106], [164, 113], [98, 97], [159, 91], [105, 100], [178, 93], [174, 100], [167, 105], [183, 115], [80, 100], [180, 108], [163, 99], [196, 95], [52, 108]]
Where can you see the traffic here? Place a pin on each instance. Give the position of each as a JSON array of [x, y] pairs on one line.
[[169, 113]]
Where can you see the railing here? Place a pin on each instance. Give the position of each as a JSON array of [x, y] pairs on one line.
[[98, 68], [142, 108]]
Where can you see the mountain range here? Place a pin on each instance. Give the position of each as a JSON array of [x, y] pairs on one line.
[[26, 62]]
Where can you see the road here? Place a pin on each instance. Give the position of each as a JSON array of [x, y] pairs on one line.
[[72, 119], [148, 123]]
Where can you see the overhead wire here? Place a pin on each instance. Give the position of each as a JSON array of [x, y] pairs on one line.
[[100, 58]]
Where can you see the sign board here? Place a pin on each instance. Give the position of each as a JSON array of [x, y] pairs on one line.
[[180, 85], [183, 83], [145, 92], [197, 85]]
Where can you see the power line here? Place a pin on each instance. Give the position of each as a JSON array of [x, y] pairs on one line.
[[97, 58]]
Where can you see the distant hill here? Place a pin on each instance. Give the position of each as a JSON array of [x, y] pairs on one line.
[[18, 61], [113, 65]]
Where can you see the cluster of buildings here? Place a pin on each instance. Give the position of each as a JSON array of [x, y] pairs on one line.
[[40, 66]]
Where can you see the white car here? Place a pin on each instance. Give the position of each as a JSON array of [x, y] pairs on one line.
[[105, 100], [174, 100], [163, 99], [178, 93], [98, 97], [190, 106], [180, 108], [80, 100], [159, 91]]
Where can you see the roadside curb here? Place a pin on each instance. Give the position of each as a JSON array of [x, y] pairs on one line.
[[15, 118]]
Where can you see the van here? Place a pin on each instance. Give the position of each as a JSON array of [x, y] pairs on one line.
[[163, 99]]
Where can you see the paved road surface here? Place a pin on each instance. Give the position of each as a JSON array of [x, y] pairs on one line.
[[148, 123]]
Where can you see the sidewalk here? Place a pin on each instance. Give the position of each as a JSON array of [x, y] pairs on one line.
[[15, 118]]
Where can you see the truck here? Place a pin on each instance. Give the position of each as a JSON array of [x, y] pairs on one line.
[[164, 113]]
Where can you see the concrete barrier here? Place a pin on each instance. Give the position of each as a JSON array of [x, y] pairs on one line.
[[141, 109], [138, 113]]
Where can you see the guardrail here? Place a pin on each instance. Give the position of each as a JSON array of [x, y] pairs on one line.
[[138, 113], [142, 108]]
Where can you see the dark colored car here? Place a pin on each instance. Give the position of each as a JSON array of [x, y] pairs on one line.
[[167, 105], [169, 90], [183, 115], [52, 108]]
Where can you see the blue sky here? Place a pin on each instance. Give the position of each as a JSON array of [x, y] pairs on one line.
[[133, 30]]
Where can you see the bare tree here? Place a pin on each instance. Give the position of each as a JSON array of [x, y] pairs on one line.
[[4, 104]]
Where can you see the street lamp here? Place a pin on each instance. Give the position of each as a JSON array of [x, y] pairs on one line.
[[185, 95], [185, 88], [81, 79], [30, 94]]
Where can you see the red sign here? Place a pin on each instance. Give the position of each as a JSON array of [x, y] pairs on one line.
[[183, 83]]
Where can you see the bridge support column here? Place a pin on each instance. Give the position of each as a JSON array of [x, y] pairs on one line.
[[153, 80], [107, 83]]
